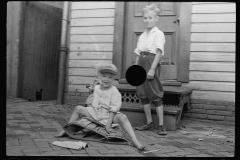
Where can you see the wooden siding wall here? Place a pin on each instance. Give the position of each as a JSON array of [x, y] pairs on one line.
[[212, 52], [91, 41]]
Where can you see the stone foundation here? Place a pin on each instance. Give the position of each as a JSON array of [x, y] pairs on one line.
[[221, 111]]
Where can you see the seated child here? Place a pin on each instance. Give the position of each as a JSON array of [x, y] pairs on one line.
[[107, 101]]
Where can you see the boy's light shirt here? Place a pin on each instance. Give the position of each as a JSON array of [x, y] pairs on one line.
[[151, 42], [105, 101]]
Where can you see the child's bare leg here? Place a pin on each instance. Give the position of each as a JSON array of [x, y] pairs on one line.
[[147, 110], [121, 118], [160, 114], [75, 116]]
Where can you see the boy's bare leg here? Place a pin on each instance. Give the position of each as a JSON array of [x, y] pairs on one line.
[[160, 114], [75, 116], [122, 119], [161, 129], [147, 110]]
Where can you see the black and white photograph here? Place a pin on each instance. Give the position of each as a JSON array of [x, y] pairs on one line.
[[120, 79]]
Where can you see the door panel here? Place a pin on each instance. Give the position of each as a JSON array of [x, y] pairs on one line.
[[39, 56], [169, 12]]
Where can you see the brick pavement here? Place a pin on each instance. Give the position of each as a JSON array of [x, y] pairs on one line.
[[31, 127]]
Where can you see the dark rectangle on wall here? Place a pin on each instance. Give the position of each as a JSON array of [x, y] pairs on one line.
[[40, 51]]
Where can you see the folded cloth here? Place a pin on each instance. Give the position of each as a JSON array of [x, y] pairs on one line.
[[70, 144]]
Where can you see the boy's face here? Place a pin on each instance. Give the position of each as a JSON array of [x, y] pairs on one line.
[[150, 18], [107, 80]]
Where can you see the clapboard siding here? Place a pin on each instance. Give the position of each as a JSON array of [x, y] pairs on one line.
[[212, 86], [214, 8], [213, 27], [208, 2], [92, 22], [213, 37], [78, 88], [92, 30], [81, 80], [212, 66], [214, 95], [91, 47], [86, 63], [212, 51], [91, 38], [85, 72], [211, 76], [214, 18], [221, 47], [92, 13], [90, 41], [212, 56], [92, 5], [91, 55]]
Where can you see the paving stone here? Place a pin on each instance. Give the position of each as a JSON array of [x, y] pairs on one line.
[[118, 151], [129, 149], [14, 153], [111, 146], [43, 145], [105, 151], [227, 154], [212, 153], [56, 153], [191, 150], [198, 155], [31, 150], [161, 155], [93, 152], [184, 153], [56, 148], [95, 144], [184, 141], [77, 155], [12, 124], [74, 151], [46, 140], [165, 150]]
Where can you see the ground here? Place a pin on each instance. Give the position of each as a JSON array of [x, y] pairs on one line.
[[31, 126]]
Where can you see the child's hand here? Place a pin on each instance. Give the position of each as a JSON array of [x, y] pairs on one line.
[[151, 74], [109, 129]]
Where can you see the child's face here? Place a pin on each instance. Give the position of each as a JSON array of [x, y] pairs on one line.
[[150, 18], [107, 80]]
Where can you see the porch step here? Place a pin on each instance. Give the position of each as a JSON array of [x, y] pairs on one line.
[[174, 99], [137, 117]]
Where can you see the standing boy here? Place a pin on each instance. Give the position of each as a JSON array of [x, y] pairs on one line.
[[150, 49]]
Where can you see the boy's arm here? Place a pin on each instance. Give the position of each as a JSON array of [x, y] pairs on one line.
[[137, 58], [109, 122], [157, 59]]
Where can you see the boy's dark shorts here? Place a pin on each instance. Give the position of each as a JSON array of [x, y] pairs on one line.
[[151, 90]]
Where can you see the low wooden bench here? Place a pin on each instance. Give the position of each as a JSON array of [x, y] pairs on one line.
[[175, 99]]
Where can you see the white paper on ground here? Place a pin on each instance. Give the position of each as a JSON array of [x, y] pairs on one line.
[[70, 144]]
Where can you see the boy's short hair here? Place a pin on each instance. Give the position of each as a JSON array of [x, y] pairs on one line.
[[151, 7]]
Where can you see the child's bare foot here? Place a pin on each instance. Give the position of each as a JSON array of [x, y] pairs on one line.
[[60, 134], [138, 145]]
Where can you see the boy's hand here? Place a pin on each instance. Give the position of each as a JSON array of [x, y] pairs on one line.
[[151, 74], [109, 129]]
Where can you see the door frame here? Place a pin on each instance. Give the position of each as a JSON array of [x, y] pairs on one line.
[[184, 39]]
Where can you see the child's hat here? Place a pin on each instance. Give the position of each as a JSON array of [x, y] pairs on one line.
[[108, 68]]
